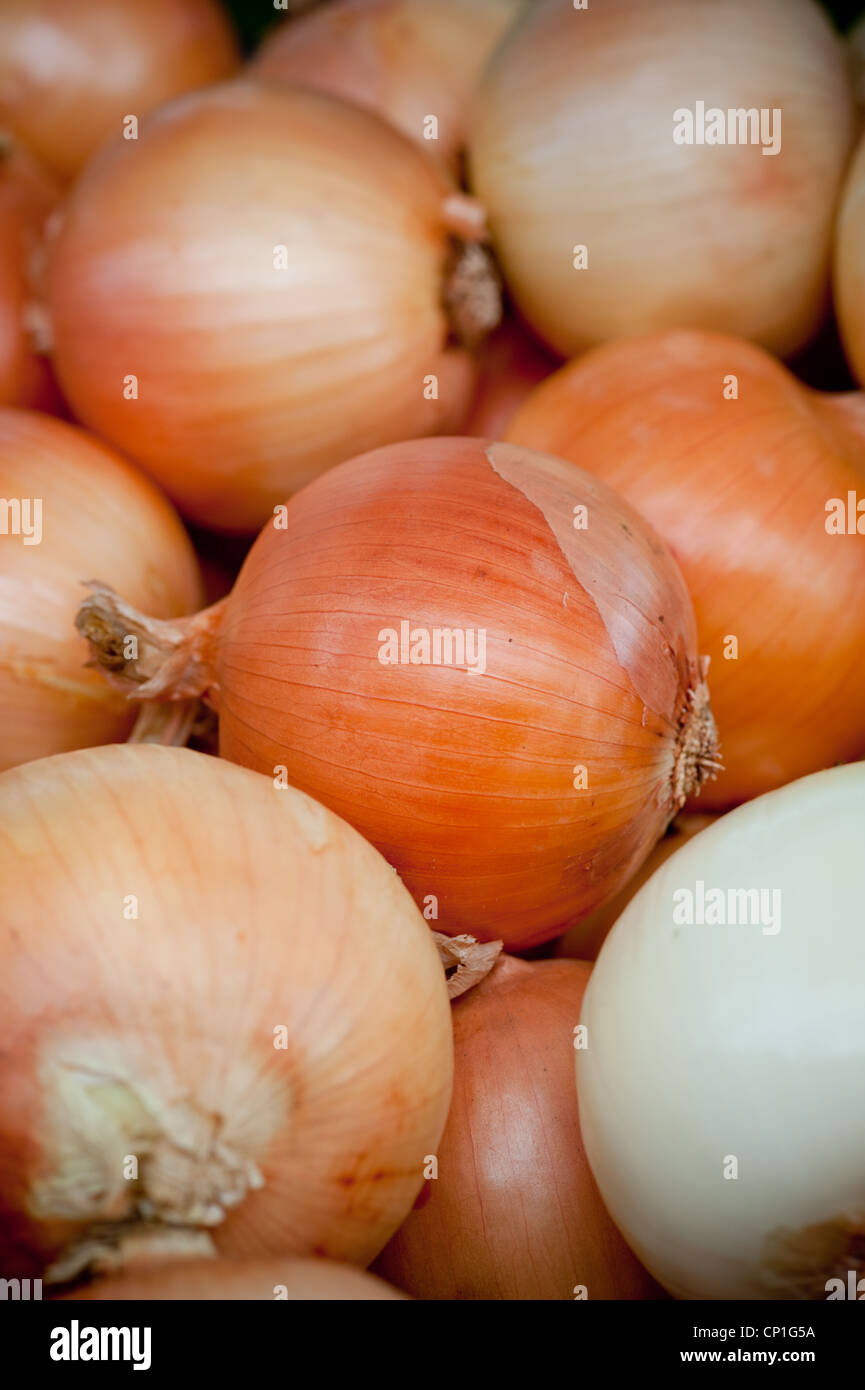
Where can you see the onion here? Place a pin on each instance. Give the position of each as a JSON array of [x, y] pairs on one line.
[[71, 508], [253, 378], [721, 1085], [520, 778], [72, 71], [510, 364], [27, 196], [572, 146], [514, 1212], [584, 942], [849, 268], [246, 1280], [407, 60], [217, 981], [740, 488]]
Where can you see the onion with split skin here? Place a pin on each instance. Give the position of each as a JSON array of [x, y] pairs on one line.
[[516, 773], [71, 71], [27, 197], [513, 1211], [239, 1280], [407, 60], [720, 1093], [71, 508], [572, 146], [222, 1019], [262, 285], [747, 475]]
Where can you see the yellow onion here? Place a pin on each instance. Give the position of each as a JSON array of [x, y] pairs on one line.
[[238, 1280], [71, 508], [220, 1015], [572, 146], [72, 71], [407, 60], [253, 291], [27, 195]]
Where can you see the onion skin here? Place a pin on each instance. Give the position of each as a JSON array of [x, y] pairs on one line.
[[584, 941], [98, 515], [708, 1043], [156, 1037], [510, 366], [571, 144], [738, 489], [27, 196], [403, 59], [465, 782], [72, 70], [239, 1280], [514, 1212], [254, 379]]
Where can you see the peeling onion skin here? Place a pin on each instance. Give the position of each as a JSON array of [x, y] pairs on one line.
[[253, 378], [257, 910], [403, 59], [465, 781], [27, 196], [72, 70], [572, 144], [239, 1280], [715, 1041], [98, 515], [514, 1212], [738, 489]]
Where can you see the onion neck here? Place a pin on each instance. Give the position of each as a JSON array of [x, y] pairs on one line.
[[149, 658], [472, 290], [697, 751]]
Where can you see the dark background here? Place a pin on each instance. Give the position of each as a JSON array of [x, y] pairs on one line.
[[253, 17]]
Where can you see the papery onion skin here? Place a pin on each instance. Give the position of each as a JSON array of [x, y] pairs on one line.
[[714, 1043], [510, 365], [71, 71], [572, 145], [404, 59], [240, 1280], [253, 378], [27, 196], [584, 941], [738, 488], [257, 910], [98, 515], [513, 1212], [466, 781]]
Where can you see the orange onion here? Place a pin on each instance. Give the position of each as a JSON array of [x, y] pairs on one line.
[[612, 206], [71, 508], [510, 365], [238, 1281], [414, 62], [27, 195], [748, 476], [252, 293], [584, 941], [506, 701], [513, 1211], [73, 71], [223, 1021]]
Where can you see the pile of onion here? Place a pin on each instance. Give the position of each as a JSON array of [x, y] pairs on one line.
[[605, 224], [72, 71], [414, 62], [72, 508], [260, 286], [513, 1211], [480, 657], [223, 1022], [27, 195], [748, 476], [239, 1281], [721, 1088]]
